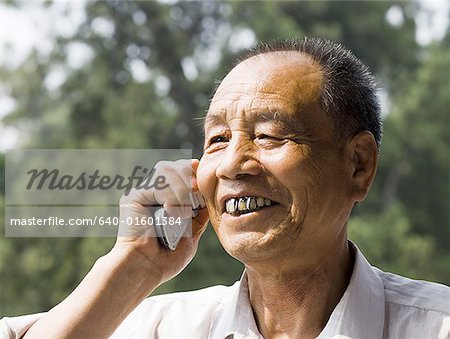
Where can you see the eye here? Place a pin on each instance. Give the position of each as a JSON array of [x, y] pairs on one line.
[[217, 138], [266, 136]]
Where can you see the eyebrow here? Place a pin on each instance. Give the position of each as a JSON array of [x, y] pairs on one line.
[[283, 120], [214, 119]]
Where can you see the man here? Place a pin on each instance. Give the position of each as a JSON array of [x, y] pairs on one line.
[[291, 144]]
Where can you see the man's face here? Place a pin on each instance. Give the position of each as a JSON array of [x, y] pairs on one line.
[[269, 147]]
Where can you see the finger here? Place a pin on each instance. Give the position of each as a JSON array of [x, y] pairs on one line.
[[136, 225], [186, 172], [176, 196], [175, 199]]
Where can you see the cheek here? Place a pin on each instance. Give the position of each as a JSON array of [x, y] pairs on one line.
[[293, 181], [303, 177], [325, 185]]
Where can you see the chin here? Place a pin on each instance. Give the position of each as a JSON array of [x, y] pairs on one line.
[[249, 246]]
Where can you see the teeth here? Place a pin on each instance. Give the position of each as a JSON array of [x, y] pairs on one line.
[[231, 206], [241, 204], [260, 202], [246, 204], [251, 204]]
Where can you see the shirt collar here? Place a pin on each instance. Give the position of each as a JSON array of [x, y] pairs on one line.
[[359, 313], [237, 320]]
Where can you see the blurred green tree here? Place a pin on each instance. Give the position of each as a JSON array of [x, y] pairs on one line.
[[414, 166]]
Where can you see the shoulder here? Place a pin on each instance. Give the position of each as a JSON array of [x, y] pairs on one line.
[[217, 294], [418, 294], [206, 299], [415, 308], [180, 314]]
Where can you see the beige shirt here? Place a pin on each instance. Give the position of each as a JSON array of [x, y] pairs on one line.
[[375, 305]]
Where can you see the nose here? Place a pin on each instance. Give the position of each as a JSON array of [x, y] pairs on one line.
[[239, 159]]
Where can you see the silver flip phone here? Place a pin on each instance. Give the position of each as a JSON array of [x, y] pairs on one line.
[[169, 235]]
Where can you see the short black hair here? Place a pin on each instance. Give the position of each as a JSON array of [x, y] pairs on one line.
[[349, 94]]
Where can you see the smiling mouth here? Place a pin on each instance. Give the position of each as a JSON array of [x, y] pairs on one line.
[[243, 205]]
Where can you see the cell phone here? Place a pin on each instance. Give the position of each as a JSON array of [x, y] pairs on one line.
[[170, 235]]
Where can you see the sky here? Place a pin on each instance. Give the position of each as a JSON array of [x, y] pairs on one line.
[[32, 26]]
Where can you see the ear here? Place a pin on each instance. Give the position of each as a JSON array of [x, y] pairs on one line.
[[363, 153]]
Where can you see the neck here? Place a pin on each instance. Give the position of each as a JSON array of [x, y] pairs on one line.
[[298, 301]]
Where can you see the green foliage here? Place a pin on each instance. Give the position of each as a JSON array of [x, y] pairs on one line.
[[359, 25], [387, 241], [414, 163], [150, 78]]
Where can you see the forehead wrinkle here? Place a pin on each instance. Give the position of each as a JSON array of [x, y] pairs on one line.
[[305, 75], [259, 89], [267, 95], [287, 87], [251, 98], [271, 93], [246, 73], [244, 83]]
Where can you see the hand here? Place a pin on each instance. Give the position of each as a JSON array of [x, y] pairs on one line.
[[136, 265], [139, 242]]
